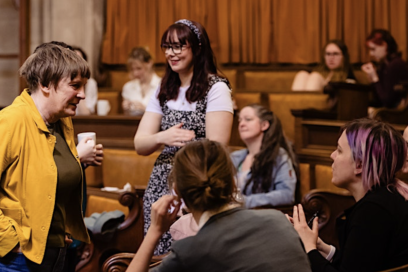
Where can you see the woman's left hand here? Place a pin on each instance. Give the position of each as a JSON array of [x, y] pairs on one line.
[[89, 153], [164, 213], [309, 236]]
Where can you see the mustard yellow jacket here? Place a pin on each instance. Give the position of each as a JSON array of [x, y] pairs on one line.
[[29, 180]]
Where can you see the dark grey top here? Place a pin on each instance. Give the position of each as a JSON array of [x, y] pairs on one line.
[[240, 240]]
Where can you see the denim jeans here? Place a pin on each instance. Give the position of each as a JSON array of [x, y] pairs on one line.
[[53, 261]]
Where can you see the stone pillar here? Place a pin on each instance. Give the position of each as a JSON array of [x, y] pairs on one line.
[[9, 46], [75, 22]]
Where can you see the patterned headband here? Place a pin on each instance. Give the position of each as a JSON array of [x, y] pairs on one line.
[[192, 27]]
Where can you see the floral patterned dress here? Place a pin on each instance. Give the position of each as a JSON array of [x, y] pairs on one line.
[[158, 185]]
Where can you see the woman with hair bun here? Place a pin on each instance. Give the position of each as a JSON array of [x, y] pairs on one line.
[[265, 169], [230, 238], [373, 234], [193, 102]]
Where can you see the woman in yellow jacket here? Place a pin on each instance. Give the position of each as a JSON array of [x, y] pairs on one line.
[[41, 175]]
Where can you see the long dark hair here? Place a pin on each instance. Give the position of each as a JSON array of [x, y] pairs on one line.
[[264, 160], [347, 70], [203, 60], [379, 36]]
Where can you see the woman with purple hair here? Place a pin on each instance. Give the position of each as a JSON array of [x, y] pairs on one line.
[[373, 234]]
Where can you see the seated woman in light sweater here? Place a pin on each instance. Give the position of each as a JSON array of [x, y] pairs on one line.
[[144, 82], [265, 170]]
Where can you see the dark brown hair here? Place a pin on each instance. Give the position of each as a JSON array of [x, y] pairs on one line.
[[203, 175], [203, 60], [50, 63], [346, 69]]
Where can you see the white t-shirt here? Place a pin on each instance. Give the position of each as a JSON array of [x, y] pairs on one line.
[[91, 94], [132, 90], [219, 99]]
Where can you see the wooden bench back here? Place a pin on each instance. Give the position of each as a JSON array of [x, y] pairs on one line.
[[122, 166], [282, 103], [115, 101], [269, 81]]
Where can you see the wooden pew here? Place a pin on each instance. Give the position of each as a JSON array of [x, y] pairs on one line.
[[353, 99], [115, 101], [281, 103], [127, 238], [268, 81], [119, 167], [113, 131]]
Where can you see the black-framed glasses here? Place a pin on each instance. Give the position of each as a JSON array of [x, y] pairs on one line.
[[333, 54], [175, 47]]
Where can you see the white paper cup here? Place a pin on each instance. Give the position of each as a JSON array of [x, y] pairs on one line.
[[103, 107], [87, 134]]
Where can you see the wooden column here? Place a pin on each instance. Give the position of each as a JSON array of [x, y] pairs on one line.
[[24, 36]]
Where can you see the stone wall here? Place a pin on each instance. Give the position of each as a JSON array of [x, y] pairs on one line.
[[75, 22], [9, 22]]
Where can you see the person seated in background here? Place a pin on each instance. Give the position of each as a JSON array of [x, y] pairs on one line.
[[230, 238], [373, 233], [87, 105], [391, 71], [144, 82], [334, 67], [265, 171]]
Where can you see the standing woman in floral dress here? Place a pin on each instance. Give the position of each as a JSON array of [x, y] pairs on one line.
[[193, 102]]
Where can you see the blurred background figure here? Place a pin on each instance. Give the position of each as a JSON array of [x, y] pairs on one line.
[[265, 171], [390, 72], [87, 106], [334, 67], [144, 82]]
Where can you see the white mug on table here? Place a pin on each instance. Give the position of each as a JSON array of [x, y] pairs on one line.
[[103, 107]]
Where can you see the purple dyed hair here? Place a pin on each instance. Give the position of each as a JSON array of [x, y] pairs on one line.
[[380, 150]]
